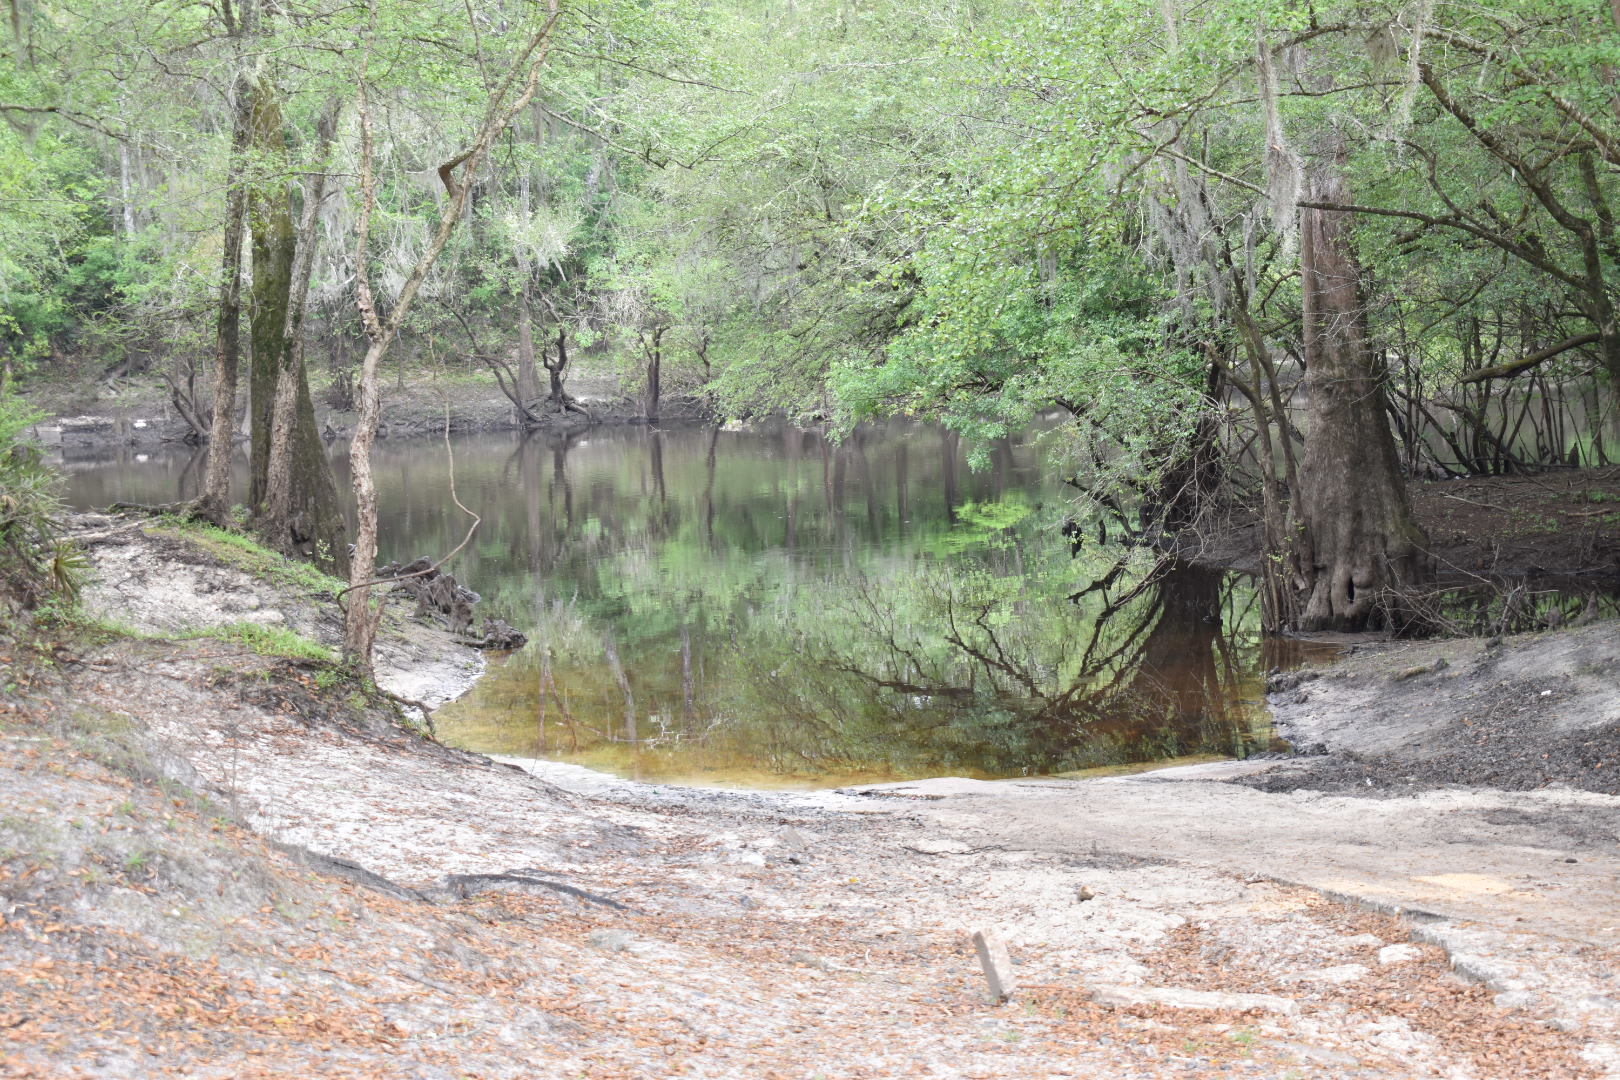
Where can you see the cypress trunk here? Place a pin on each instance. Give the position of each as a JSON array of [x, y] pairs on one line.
[[297, 507], [1358, 552]]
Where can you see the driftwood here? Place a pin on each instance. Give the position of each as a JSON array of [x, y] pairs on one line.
[[438, 594], [497, 634]]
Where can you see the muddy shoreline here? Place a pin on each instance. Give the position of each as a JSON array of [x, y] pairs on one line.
[[1520, 713], [377, 905], [142, 417]]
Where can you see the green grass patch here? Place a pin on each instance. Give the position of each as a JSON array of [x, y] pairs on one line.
[[101, 630], [247, 554], [266, 640], [269, 641]]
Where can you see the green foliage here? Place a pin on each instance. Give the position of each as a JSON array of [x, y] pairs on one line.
[[49, 261], [833, 212], [275, 641], [36, 563]]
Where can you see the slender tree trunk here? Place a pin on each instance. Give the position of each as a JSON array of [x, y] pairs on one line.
[[655, 365], [216, 497], [126, 190], [360, 621], [1358, 548], [528, 376]]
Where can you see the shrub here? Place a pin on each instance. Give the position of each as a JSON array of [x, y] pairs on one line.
[[35, 562]]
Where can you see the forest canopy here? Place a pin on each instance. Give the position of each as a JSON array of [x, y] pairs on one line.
[[1287, 254]]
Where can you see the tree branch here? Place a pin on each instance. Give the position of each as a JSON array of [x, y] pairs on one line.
[[1524, 363]]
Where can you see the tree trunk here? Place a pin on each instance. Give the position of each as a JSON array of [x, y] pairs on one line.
[[271, 225], [360, 620], [655, 364], [1609, 344], [557, 370], [300, 514], [1358, 550], [126, 194], [297, 505], [528, 376], [216, 497], [360, 623]]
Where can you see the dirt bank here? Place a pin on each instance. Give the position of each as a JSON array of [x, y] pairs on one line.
[[160, 579], [137, 412], [1560, 529], [1520, 713], [220, 860]]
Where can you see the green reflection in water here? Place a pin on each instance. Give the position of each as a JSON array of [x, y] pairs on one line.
[[767, 608]]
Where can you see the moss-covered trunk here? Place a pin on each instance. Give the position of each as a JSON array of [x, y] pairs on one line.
[[307, 519]]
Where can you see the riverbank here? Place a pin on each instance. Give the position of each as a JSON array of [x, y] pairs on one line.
[[92, 416], [1557, 530], [221, 859]]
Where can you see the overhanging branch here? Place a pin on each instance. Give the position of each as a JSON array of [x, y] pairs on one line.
[[1525, 363]]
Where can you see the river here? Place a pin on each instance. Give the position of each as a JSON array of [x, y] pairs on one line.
[[767, 607]]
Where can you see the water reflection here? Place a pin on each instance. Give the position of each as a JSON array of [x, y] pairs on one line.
[[771, 607], [945, 668]]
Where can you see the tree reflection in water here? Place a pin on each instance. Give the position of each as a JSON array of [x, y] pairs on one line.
[[986, 688], [772, 606], [974, 663]]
